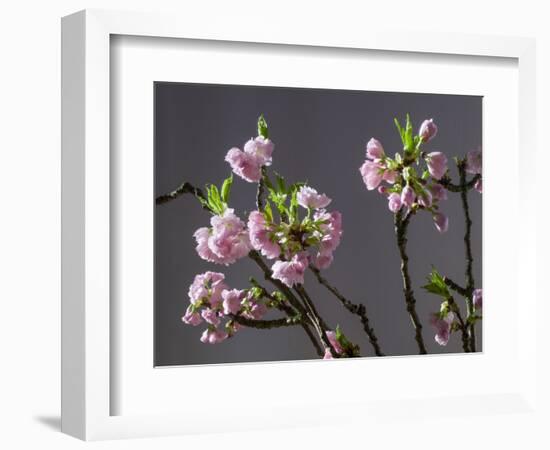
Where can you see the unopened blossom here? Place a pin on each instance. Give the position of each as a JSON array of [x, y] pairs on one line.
[[478, 186], [191, 317], [372, 173], [374, 149], [245, 165], [394, 202], [213, 336], [438, 192], [382, 190], [437, 164], [211, 316], [207, 287], [428, 130], [309, 198], [291, 272], [477, 298], [261, 148], [261, 236], [224, 243], [232, 301], [425, 199], [441, 222], [442, 327], [407, 196], [331, 335], [474, 162]]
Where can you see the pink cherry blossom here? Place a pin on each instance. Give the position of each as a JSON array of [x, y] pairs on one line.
[[442, 327], [425, 199], [439, 193], [261, 148], [207, 287], [257, 310], [479, 186], [291, 272], [331, 335], [210, 316], [328, 354], [428, 130], [232, 301], [441, 222], [227, 240], [437, 164], [246, 165], [474, 162], [309, 198], [261, 237], [331, 229], [374, 149], [389, 176], [323, 259], [372, 173], [407, 196], [394, 202], [213, 336], [191, 318], [477, 298]]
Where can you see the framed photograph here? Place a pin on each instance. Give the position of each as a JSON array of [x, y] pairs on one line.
[[312, 221]]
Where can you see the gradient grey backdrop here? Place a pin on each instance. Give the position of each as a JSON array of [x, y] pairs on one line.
[[320, 138]]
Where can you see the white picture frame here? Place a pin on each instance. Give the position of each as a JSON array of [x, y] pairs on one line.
[[87, 383]]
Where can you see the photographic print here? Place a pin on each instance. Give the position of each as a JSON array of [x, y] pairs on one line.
[[301, 223]]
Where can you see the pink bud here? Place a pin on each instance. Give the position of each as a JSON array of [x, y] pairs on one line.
[[441, 222], [382, 190], [428, 130], [437, 164], [477, 298], [394, 202], [407, 196]]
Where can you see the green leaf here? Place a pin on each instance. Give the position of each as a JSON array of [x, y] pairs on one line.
[[281, 187], [436, 284], [268, 212], [214, 200], [400, 129], [262, 127], [226, 188], [408, 141]]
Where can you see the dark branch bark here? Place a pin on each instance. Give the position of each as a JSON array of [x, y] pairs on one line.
[[358, 309], [266, 324], [468, 248], [463, 326], [456, 287], [462, 187], [184, 188], [261, 190], [401, 225]]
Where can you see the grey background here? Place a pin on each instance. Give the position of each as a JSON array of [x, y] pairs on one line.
[[320, 138]]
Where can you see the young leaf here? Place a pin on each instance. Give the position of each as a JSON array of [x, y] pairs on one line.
[[226, 188], [436, 285], [268, 212], [262, 127], [281, 187], [408, 141], [400, 129]]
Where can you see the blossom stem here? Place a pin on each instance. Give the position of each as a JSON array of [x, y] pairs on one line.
[[401, 226], [184, 188], [470, 283], [358, 309], [462, 187], [261, 190], [456, 287]]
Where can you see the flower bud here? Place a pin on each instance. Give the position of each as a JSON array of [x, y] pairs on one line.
[[427, 130]]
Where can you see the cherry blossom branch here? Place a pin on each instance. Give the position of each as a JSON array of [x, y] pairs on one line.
[[463, 327], [261, 190], [401, 225], [318, 322], [358, 309], [456, 287], [184, 188], [266, 324], [462, 187], [470, 283]]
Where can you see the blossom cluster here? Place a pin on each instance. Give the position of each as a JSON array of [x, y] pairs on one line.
[[213, 302], [405, 188]]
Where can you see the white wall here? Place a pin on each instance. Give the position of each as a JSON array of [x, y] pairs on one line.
[[30, 187]]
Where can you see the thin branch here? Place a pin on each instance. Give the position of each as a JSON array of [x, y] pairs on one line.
[[468, 248], [184, 188], [463, 326], [261, 190], [401, 225], [314, 316], [266, 324], [462, 187], [456, 287], [358, 309]]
